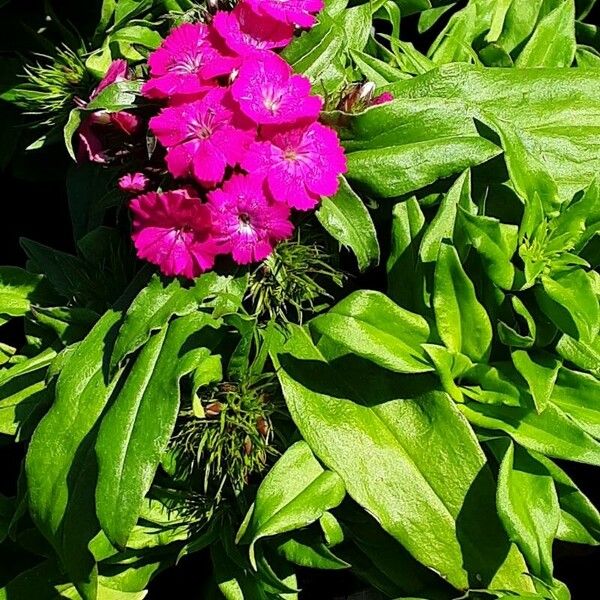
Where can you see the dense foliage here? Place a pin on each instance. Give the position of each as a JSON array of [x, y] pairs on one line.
[[396, 390]]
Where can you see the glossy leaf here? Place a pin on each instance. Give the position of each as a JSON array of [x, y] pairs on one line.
[[294, 494], [461, 320], [528, 506], [348, 221], [370, 325], [412, 499], [58, 460], [152, 309], [136, 428]]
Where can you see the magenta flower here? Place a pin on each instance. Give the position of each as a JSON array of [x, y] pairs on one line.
[[97, 125], [295, 12], [245, 31], [269, 93], [173, 230], [204, 136], [187, 60], [300, 164], [245, 222], [133, 182]]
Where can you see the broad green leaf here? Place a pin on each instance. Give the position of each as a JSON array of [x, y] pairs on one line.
[[21, 399], [370, 325], [580, 221], [553, 41], [295, 493], [405, 145], [495, 243], [540, 372], [357, 23], [137, 426], [69, 324], [551, 433], [59, 472], [380, 560], [583, 355], [406, 121], [461, 320], [387, 420], [578, 395], [397, 170], [528, 506], [152, 309], [580, 520], [19, 288], [558, 130], [570, 302], [528, 174], [442, 225], [407, 227], [346, 219]]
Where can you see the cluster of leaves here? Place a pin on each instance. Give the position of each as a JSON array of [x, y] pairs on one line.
[[409, 434]]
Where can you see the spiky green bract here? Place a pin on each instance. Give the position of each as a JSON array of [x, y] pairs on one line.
[[294, 282]]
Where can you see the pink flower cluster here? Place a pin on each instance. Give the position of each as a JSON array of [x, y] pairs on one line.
[[241, 129]]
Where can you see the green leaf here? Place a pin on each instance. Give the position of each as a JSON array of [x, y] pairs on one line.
[[66, 273], [461, 320], [59, 473], [70, 129], [19, 288], [578, 395], [370, 325], [585, 356], [496, 244], [346, 219], [553, 41], [306, 549], [580, 520], [551, 433], [151, 310], [571, 304], [116, 97], [136, 428], [540, 373], [407, 227], [442, 225], [528, 174], [314, 52], [510, 336], [580, 221], [21, 400], [528, 506], [558, 131], [401, 169], [374, 69], [295, 493], [382, 414]]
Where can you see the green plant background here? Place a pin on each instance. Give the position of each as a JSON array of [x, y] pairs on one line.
[[429, 415]]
